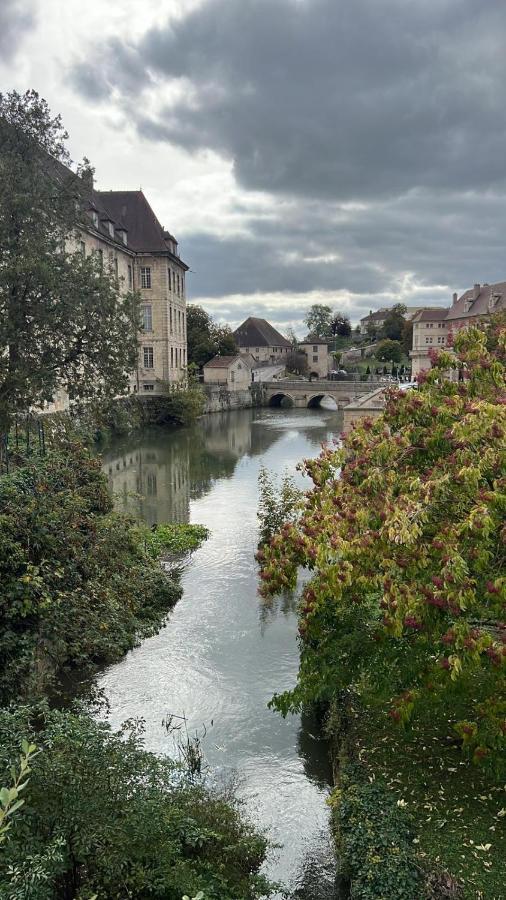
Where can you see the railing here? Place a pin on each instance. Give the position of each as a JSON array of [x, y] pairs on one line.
[[25, 439]]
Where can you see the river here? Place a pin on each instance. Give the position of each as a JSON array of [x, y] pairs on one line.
[[223, 651]]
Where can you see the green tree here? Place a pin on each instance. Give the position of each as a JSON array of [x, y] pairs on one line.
[[394, 323], [296, 362], [340, 325], [389, 350], [205, 338], [407, 337], [63, 321], [404, 532], [319, 319]]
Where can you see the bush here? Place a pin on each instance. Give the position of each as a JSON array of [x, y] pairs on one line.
[[77, 584], [103, 817], [374, 839]]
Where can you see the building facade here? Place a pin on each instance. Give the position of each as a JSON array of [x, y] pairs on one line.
[[317, 354], [433, 327], [258, 338], [232, 372]]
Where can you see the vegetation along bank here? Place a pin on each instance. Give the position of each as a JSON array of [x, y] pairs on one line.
[[402, 629]]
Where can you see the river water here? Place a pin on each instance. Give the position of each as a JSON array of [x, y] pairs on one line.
[[224, 651]]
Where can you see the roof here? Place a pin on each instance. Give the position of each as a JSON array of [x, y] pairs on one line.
[[224, 362], [259, 333], [314, 339], [430, 315], [378, 314], [131, 210], [481, 300]]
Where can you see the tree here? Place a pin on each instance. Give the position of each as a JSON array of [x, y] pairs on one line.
[[389, 350], [63, 321], [318, 320], [205, 338], [291, 336], [407, 337], [296, 362], [394, 322], [404, 533], [340, 325]]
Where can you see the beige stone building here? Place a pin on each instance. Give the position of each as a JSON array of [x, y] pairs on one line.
[[122, 230], [258, 338], [317, 353], [433, 327], [232, 372]]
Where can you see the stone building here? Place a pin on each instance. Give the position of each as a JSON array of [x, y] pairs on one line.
[[433, 327], [232, 372], [258, 338], [317, 353]]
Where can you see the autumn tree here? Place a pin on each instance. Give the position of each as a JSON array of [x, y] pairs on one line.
[[64, 322], [404, 532]]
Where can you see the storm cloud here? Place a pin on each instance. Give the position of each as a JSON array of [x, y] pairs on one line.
[[382, 121]]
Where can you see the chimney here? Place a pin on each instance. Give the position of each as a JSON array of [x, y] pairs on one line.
[[476, 291], [455, 298]]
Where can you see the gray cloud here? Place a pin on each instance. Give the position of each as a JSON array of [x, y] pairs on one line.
[[16, 17], [395, 107]]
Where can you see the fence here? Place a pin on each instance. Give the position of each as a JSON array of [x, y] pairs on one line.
[[25, 439]]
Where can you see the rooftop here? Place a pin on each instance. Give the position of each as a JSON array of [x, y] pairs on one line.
[[223, 362], [259, 333]]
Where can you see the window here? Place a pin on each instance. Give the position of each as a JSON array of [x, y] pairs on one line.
[[130, 276], [100, 257], [145, 277], [232, 376], [82, 247], [169, 279], [170, 318], [94, 218], [182, 285], [179, 321], [149, 387], [184, 358], [116, 272], [178, 284], [110, 228], [148, 357], [315, 349], [147, 318], [315, 358], [172, 357], [428, 340]]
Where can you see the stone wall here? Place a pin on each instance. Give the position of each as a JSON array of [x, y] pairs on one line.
[[220, 399]]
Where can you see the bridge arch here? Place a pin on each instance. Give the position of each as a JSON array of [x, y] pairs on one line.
[[315, 401], [281, 399]]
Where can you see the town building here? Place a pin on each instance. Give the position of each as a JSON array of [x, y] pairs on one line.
[[258, 338], [232, 372], [432, 328], [316, 351], [377, 319]]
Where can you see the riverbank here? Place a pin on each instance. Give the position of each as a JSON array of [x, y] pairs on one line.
[[407, 829]]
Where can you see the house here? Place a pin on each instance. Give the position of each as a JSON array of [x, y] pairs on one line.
[[258, 338], [377, 319], [432, 328], [430, 331], [232, 372], [317, 352], [121, 229]]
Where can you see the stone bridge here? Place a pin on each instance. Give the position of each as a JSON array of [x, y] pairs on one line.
[[311, 393]]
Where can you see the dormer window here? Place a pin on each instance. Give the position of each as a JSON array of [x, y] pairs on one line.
[[94, 218], [109, 226], [122, 234]]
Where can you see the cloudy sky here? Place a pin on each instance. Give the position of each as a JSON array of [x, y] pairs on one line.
[[350, 152]]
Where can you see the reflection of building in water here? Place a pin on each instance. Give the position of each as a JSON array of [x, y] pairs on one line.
[[223, 437], [151, 481]]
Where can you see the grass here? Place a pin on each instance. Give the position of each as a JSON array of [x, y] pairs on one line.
[[459, 809]]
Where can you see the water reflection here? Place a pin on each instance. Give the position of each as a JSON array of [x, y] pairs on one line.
[[224, 651]]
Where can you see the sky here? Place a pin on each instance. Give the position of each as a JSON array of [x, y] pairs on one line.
[[346, 152]]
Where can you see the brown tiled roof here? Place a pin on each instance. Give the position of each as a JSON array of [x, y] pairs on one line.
[[145, 234], [259, 333], [222, 362], [467, 306], [430, 315]]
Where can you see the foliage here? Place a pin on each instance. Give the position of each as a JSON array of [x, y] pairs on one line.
[[10, 801], [172, 538], [182, 405], [128, 823], [407, 549], [407, 337], [394, 323], [296, 362], [389, 350], [77, 584], [374, 839], [278, 503], [340, 325], [64, 322], [318, 320], [206, 338]]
